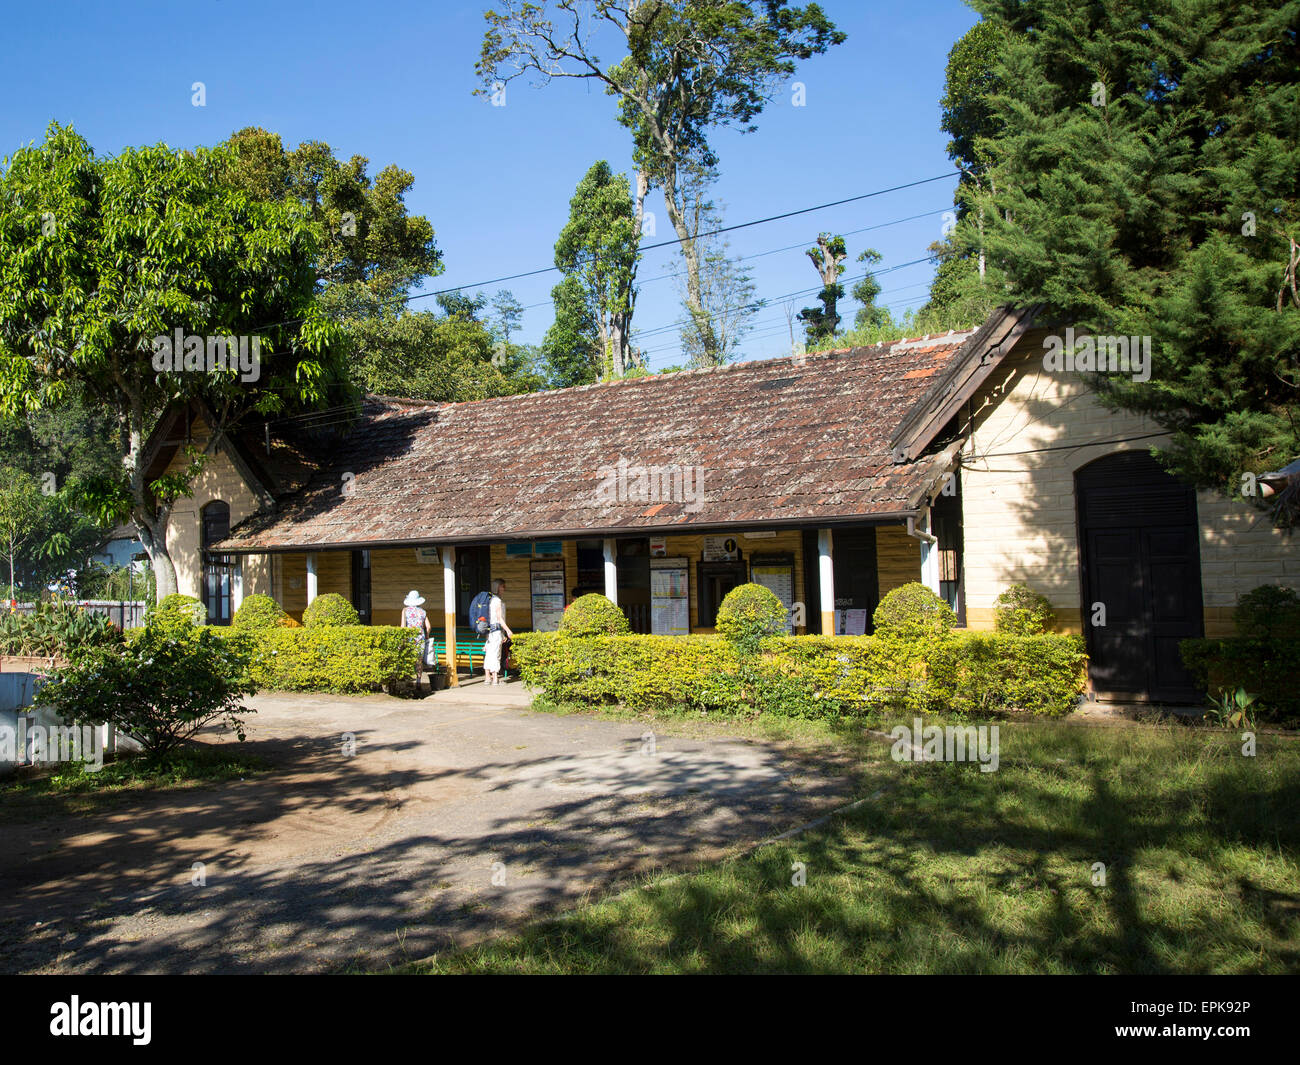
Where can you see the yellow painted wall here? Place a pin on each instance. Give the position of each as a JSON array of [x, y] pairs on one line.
[[1019, 506], [219, 481]]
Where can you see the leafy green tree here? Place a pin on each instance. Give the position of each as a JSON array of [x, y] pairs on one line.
[[370, 251], [571, 347], [164, 243], [865, 292], [598, 247], [508, 312], [689, 67], [20, 509], [64, 448], [1144, 180]]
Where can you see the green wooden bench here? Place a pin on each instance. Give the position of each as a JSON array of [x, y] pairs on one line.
[[469, 645]]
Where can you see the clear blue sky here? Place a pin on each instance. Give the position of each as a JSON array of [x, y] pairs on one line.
[[392, 81]]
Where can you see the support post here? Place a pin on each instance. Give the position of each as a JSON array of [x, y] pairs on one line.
[[826, 575], [611, 571], [448, 554], [311, 577], [930, 558]]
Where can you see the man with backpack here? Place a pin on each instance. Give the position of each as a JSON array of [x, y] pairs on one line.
[[487, 617]]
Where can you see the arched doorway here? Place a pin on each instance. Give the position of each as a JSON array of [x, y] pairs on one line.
[[1140, 572]]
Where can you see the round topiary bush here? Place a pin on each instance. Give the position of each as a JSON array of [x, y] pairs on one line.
[[593, 615], [1021, 611], [330, 609], [913, 612], [178, 608], [749, 612], [1269, 612], [258, 612]]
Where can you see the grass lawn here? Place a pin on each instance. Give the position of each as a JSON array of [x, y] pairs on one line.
[[951, 870]]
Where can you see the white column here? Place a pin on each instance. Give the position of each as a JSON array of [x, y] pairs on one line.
[[929, 560], [448, 555], [311, 576], [236, 585], [826, 577], [611, 572]]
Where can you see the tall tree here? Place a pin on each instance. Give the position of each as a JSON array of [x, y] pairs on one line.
[[598, 248], [571, 347], [865, 291], [20, 511], [1145, 181], [690, 66], [827, 257], [102, 260]]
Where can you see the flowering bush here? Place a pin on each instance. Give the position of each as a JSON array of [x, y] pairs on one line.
[[159, 687]]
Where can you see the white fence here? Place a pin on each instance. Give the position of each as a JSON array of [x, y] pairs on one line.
[[124, 613]]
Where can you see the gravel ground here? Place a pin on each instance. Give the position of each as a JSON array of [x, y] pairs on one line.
[[458, 816]]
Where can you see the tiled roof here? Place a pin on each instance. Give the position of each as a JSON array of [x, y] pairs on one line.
[[782, 441]]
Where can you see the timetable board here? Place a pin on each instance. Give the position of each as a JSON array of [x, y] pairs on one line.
[[670, 596]]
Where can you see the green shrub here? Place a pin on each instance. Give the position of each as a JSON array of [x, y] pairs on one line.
[[156, 688], [177, 609], [329, 658], [1269, 612], [330, 609], [593, 615], [1268, 668], [913, 612], [1022, 612], [58, 628], [258, 612], [809, 676], [750, 613]]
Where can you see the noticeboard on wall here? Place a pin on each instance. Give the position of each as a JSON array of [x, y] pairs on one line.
[[670, 596], [775, 573], [720, 549], [547, 594]]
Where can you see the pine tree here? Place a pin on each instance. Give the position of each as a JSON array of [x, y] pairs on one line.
[[1144, 179]]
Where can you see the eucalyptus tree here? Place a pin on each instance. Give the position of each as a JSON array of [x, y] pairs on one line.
[[686, 68]]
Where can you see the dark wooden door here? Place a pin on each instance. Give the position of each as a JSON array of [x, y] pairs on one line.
[[1141, 576]]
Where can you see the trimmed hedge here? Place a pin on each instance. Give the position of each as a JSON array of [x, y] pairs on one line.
[[810, 676], [749, 613], [593, 615], [258, 612], [330, 609], [913, 611], [331, 658], [1269, 668]]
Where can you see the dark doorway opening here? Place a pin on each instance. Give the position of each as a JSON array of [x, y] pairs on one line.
[[473, 574], [716, 579], [857, 585], [633, 562], [1140, 569], [361, 584]]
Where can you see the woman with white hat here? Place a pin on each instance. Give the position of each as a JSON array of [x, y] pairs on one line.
[[415, 617]]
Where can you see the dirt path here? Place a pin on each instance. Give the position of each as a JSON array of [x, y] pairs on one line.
[[458, 816]]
